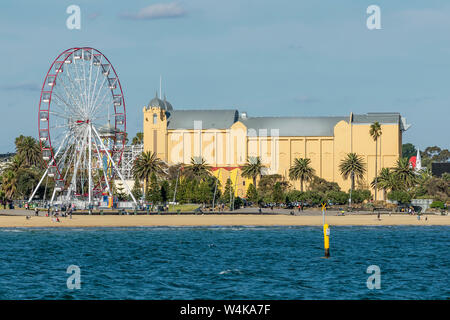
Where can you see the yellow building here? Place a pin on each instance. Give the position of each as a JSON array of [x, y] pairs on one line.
[[226, 138]]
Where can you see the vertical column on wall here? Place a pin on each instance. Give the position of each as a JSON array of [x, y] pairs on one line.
[[275, 149], [320, 158], [166, 142], [351, 131], [155, 141], [198, 139]]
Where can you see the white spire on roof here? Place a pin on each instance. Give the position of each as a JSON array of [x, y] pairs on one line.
[[418, 161]]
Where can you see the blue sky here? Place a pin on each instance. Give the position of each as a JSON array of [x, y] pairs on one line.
[[286, 58]]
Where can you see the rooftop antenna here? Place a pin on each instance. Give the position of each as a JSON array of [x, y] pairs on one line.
[[160, 78]]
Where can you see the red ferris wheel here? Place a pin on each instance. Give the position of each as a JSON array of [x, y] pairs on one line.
[[82, 124]]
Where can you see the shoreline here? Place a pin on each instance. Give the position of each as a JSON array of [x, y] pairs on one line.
[[221, 220]]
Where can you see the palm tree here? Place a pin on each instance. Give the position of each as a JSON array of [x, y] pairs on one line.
[[302, 171], [353, 165], [375, 133], [28, 148], [383, 181], [198, 169], [252, 169], [138, 139], [404, 173], [9, 184], [17, 163], [147, 164]]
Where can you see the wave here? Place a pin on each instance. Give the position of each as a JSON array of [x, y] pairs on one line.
[[232, 271]]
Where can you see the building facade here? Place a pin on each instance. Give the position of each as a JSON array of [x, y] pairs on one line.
[[227, 138]]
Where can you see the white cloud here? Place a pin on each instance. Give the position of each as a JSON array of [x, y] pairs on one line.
[[157, 11], [20, 86]]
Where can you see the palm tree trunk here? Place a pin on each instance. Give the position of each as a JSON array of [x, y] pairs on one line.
[[301, 185], [352, 186], [376, 173], [254, 181], [145, 188]]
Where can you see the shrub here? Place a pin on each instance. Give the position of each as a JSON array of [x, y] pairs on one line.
[[360, 195], [321, 185], [337, 197], [313, 197], [400, 196], [294, 195], [437, 205]]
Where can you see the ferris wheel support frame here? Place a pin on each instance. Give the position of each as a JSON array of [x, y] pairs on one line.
[[46, 171], [115, 167]]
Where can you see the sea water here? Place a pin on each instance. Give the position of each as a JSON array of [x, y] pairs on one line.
[[224, 263]]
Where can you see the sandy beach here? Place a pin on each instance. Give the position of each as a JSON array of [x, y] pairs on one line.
[[221, 220]]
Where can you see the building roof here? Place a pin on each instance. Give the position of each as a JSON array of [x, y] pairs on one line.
[[211, 119], [157, 102], [287, 126], [294, 126], [381, 117]]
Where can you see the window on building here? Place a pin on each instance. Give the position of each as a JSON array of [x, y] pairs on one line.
[[155, 118]]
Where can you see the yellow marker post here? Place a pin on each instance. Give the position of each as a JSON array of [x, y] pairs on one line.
[[326, 232], [326, 240], [324, 208]]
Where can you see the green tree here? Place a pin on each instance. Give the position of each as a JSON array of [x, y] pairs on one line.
[[29, 150], [204, 192], [164, 191], [322, 185], [408, 150], [375, 133], [146, 165], [301, 170], [253, 169], [228, 192], [360, 195], [399, 196], [252, 193], [384, 181], [353, 165], [137, 189], [138, 139], [198, 169], [278, 195], [337, 197], [404, 173], [9, 184], [154, 190]]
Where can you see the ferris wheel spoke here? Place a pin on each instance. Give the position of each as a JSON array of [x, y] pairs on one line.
[[78, 80], [98, 106], [76, 86], [69, 91], [59, 115], [90, 82], [95, 85], [96, 94], [74, 109], [83, 67]]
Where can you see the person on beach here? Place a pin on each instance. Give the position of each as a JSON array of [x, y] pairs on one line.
[[36, 211]]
